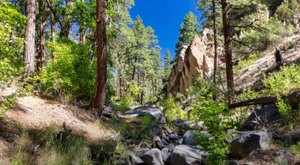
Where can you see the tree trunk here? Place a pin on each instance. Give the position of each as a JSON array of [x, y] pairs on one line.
[[98, 102], [42, 40], [52, 25], [81, 35], [228, 49], [215, 45], [66, 24], [118, 84], [29, 48]]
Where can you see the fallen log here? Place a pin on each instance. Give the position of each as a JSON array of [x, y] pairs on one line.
[[293, 99]]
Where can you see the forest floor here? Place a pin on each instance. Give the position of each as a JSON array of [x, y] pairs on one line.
[[36, 113]]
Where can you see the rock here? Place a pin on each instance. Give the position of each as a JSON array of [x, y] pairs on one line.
[[155, 130], [189, 138], [187, 155], [262, 116], [184, 124], [248, 141], [233, 162], [284, 157], [157, 143], [153, 157], [174, 136], [141, 152], [165, 155], [196, 59], [156, 113], [134, 160], [108, 112], [171, 147]]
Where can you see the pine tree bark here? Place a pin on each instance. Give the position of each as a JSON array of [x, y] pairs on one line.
[[29, 49], [98, 102], [81, 35], [52, 24], [228, 49], [215, 45], [42, 40]]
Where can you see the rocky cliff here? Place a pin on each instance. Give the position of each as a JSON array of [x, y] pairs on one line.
[[194, 59]]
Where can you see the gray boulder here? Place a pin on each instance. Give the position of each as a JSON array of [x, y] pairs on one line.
[[184, 124], [262, 116], [141, 152], [153, 157], [190, 137], [157, 143], [165, 155], [156, 113], [134, 160], [248, 141], [187, 155]]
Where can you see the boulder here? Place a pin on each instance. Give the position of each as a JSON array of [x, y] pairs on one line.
[[156, 113], [157, 143], [184, 124], [248, 141], [190, 136], [134, 160], [165, 155], [187, 155], [262, 116], [153, 157], [141, 152]]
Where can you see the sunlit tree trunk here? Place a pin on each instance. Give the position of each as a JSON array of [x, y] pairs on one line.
[[228, 49], [29, 49], [98, 102], [215, 45], [42, 40]]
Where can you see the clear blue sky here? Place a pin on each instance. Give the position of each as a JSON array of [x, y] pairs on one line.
[[165, 17]]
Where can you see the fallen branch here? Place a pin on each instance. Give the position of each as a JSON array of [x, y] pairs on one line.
[[293, 99]]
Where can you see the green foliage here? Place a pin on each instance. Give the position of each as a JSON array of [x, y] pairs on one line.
[[11, 41], [134, 89], [283, 82], [287, 10], [296, 148], [8, 103], [248, 94], [123, 104], [172, 110], [245, 62], [217, 121], [285, 111], [70, 73], [187, 31]]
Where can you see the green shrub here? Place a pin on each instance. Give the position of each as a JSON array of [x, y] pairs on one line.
[[11, 42], [172, 110], [287, 10], [283, 82], [296, 148], [245, 62], [124, 104], [70, 73]]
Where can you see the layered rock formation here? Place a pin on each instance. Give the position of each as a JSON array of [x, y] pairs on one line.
[[194, 60]]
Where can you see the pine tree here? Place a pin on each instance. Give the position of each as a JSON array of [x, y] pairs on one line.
[[29, 49], [98, 102], [167, 58], [187, 31]]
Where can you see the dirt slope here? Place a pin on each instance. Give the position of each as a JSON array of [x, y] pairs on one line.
[[251, 75]]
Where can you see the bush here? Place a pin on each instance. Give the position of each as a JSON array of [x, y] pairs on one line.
[[70, 73], [124, 104], [11, 42], [172, 110], [283, 82]]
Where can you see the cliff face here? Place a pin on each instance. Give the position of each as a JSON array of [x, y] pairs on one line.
[[196, 59]]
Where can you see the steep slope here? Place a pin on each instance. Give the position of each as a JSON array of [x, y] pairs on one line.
[[253, 74]]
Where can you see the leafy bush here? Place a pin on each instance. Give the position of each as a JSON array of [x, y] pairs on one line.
[[11, 42], [245, 62], [284, 110], [70, 73], [287, 10], [172, 110], [283, 82], [296, 148], [124, 104]]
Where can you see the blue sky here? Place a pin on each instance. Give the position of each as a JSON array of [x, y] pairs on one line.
[[165, 17]]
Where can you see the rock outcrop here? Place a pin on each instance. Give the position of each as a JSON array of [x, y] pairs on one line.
[[196, 59]]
